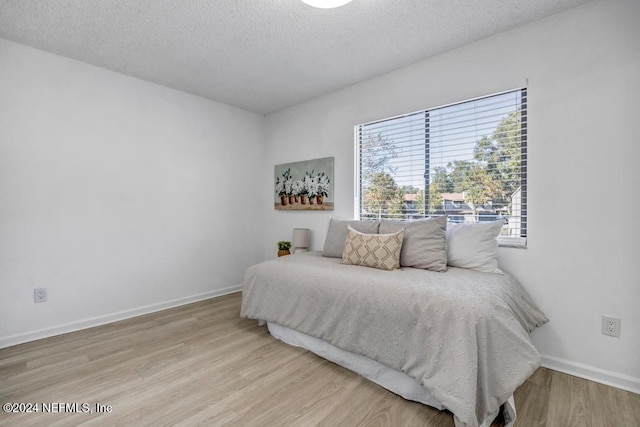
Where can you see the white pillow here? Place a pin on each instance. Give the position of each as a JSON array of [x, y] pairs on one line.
[[474, 245]]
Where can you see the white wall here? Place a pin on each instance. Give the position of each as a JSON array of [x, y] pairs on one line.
[[118, 195], [583, 71]]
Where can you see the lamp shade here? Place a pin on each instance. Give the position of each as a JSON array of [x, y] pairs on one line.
[[326, 4], [300, 238]]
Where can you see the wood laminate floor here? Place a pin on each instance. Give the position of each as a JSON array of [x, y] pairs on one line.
[[201, 364]]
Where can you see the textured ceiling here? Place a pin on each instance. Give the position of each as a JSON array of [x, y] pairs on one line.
[[260, 55]]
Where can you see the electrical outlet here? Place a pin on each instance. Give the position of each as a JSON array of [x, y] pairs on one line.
[[40, 295], [611, 325]]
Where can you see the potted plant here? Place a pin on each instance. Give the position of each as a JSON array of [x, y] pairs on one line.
[[310, 186], [283, 248], [288, 188], [322, 187], [303, 191], [296, 189], [280, 191], [283, 187]]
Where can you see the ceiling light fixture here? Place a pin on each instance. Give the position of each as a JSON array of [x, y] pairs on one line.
[[326, 4]]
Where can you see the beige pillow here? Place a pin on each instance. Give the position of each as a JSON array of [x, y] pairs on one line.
[[337, 234], [424, 244], [373, 250]]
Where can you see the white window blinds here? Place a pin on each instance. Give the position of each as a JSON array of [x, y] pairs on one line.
[[466, 160]]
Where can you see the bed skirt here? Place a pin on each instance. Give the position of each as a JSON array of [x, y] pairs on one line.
[[394, 381]]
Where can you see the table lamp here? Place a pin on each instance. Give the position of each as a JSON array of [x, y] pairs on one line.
[[300, 240]]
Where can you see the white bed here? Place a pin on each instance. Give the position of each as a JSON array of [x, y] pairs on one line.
[[460, 336]]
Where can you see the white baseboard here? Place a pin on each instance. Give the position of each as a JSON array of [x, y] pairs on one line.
[[591, 373], [109, 318]]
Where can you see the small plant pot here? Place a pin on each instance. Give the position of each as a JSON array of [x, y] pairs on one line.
[[283, 252]]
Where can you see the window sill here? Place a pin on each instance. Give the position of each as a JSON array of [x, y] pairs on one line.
[[512, 242]]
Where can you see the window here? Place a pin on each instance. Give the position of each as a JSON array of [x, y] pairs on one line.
[[466, 160]]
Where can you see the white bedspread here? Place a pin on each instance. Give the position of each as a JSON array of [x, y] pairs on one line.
[[463, 335]]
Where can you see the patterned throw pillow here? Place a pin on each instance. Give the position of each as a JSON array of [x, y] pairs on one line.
[[373, 250]]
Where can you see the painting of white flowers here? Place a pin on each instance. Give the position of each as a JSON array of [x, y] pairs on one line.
[[305, 185]]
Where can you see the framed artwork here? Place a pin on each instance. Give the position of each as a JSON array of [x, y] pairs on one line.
[[306, 185]]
